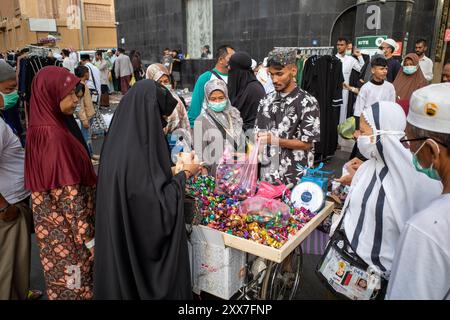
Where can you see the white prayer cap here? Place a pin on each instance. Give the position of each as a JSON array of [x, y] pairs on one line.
[[430, 108], [392, 43]]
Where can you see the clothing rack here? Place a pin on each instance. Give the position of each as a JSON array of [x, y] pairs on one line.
[[38, 51], [311, 51]]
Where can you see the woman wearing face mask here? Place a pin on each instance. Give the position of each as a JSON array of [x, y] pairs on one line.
[[385, 192], [218, 126], [408, 80], [60, 175], [178, 120]]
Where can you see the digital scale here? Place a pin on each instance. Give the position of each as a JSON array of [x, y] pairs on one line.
[[312, 190]]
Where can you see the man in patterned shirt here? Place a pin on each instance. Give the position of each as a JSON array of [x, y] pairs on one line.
[[287, 123]]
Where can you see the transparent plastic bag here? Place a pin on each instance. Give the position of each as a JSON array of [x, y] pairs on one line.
[[237, 174], [266, 211]]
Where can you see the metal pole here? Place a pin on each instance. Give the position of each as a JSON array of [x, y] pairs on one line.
[[81, 24]]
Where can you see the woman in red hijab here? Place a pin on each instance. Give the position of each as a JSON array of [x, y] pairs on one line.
[[60, 175]]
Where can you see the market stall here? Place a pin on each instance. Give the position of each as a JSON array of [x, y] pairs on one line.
[[245, 242]]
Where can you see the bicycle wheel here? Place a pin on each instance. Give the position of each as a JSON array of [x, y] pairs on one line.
[[286, 276]]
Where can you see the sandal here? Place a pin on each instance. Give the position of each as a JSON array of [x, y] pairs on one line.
[[34, 294]]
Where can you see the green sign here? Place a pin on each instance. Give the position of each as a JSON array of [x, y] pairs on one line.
[[370, 42]]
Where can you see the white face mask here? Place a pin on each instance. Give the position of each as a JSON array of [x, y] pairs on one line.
[[368, 146]]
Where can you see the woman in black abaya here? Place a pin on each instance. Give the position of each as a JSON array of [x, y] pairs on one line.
[[141, 243], [245, 91]]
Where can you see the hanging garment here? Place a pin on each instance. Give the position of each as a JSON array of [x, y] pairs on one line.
[[323, 78]]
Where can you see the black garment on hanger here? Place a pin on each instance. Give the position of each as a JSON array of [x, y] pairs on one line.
[[323, 78]]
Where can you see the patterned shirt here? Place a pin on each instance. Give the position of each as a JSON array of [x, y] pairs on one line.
[[295, 116]]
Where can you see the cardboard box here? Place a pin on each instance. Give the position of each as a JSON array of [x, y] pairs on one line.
[[216, 269]]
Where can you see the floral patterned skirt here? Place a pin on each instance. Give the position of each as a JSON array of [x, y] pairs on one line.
[[64, 221]]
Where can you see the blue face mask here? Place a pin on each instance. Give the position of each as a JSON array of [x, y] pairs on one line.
[[430, 172], [218, 106], [409, 70], [10, 99]]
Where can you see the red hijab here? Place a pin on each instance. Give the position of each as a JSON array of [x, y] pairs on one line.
[[54, 157]]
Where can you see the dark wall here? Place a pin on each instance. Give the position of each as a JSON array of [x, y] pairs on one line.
[[423, 21], [257, 26], [149, 26]]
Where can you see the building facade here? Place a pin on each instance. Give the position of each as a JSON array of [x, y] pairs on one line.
[[57, 22], [257, 26]]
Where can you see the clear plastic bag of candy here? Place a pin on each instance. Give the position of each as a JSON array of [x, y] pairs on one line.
[[269, 212], [237, 174]]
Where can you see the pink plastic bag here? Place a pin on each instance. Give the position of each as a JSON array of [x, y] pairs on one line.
[[237, 175], [270, 191], [266, 211]]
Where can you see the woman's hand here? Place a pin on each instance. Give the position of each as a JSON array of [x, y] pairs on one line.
[[354, 164], [345, 180], [191, 169], [86, 124], [91, 250]]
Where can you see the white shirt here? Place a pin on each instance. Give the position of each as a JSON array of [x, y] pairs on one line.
[[349, 63], [371, 93], [12, 164], [427, 68], [421, 269], [74, 57], [69, 64], [104, 71], [93, 72]]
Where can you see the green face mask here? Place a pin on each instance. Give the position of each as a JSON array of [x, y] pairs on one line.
[[10, 99], [348, 52], [430, 172], [218, 107], [409, 70]]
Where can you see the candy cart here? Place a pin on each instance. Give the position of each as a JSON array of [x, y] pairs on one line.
[[269, 267]]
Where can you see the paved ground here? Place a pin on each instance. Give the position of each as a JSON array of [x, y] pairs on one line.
[[311, 288]]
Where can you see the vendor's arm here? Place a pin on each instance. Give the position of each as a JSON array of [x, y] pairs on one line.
[[295, 144]]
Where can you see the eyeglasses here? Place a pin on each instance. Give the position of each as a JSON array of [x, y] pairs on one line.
[[406, 142]]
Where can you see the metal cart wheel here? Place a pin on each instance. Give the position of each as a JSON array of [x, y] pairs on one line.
[[283, 279]]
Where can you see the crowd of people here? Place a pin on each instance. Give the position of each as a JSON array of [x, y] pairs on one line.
[[120, 234]]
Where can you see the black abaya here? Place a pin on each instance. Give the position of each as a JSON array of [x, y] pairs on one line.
[[323, 78], [244, 90], [141, 244]]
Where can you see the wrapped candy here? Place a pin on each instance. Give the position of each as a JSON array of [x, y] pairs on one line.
[[266, 211], [199, 186], [237, 174]]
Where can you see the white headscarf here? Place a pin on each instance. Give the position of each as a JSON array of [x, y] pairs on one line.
[[386, 190]]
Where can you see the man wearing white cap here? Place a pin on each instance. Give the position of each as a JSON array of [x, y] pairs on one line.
[[421, 267], [388, 47]]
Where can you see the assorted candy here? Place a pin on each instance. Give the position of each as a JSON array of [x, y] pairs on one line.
[[271, 225], [229, 181], [198, 186]]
